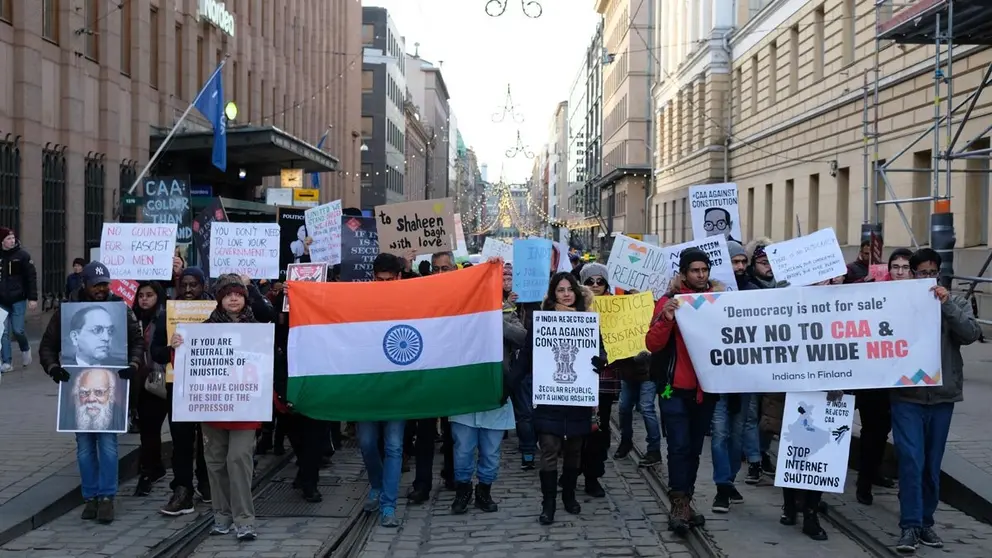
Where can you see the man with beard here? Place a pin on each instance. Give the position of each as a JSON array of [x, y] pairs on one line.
[[90, 332], [94, 394], [96, 452]]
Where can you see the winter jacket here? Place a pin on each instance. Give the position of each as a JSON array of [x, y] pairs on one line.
[[50, 349], [957, 327], [857, 272], [744, 283], [674, 367], [73, 282], [772, 413], [149, 322], [245, 317], [18, 276], [560, 420]]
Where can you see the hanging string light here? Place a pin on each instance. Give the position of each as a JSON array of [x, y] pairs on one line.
[[519, 148], [508, 108], [530, 8]]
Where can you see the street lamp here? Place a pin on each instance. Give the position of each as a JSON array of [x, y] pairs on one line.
[[363, 147]]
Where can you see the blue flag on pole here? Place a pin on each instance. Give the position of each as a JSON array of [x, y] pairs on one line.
[[210, 103], [315, 176]]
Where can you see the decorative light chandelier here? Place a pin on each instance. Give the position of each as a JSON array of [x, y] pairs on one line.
[[530, 8], [519, 148], [508, 109]]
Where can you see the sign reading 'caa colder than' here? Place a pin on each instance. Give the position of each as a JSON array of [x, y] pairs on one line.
[[216, 13]]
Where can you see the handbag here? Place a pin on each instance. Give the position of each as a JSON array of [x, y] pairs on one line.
[[155, 383]]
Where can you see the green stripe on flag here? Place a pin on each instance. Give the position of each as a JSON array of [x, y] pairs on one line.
[[415, 394]]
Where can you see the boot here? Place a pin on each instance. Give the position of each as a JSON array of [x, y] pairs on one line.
[[569, 478], [483, 498], [463, 497], [549, 491], [594, 488], [788, 507], [811, 525], [678, 519], [696, 519]]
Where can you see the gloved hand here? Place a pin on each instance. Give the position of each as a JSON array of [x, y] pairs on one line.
[[59, 374], [127, 373], [598, 364], [642, 357]]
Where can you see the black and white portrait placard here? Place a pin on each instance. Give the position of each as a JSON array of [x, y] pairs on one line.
[[95, 399], [94, 334]]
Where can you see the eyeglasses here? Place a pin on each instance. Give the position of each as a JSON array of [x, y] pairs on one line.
[[718, 224], [927, 274], [99, 393], [101, 330], [595, 283]]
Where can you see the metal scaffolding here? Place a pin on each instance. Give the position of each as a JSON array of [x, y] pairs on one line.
[[943, 24]]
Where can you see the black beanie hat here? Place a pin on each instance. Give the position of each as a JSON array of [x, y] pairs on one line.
[[691, 255]]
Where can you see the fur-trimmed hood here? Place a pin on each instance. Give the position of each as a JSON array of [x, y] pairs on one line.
[[753, 245], [586, 295], [675, 285]]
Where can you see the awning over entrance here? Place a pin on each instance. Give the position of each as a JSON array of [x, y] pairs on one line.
[[258, 151]]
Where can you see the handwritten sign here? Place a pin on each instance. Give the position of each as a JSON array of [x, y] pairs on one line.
[[166, 200], [250, 249], [324, 226], [359, 248], [184, 312], [564, 344], [716, 248], [493, 248], [623, 322], [531, 268], [126, 289], [426, 227], [808, 259], [635, 265], [138, 250]]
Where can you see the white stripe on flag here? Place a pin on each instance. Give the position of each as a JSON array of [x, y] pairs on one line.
[[361, 347]]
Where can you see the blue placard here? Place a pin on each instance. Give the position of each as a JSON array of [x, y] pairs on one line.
[[531, 268]]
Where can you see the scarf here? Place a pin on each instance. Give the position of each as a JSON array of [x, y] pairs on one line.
[[559, 307], [220, 316], [764, 283]]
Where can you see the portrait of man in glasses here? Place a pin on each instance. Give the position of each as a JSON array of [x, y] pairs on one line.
[[716, 221], [95, 335], [94, 400]]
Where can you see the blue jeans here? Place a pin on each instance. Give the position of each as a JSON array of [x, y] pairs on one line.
[[523, 409], [919, 433], [731, 438], [384, 475], [15, 327], [642, 394], [469, 439], [687, 422], [96, 454]]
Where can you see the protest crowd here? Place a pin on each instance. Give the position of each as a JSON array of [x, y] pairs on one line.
[[241, 360]]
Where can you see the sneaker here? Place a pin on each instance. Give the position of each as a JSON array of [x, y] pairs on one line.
[[247, 533], [753, 473], [89, 510], [203, 493], [6, 367], [767, 467], [651, 459], [389, 519], [734, 495], [220, 529], [527, 463], [105, 511], [928, 537], [721, 503], [623, 450], [908, 541], [181, 503], [372, 502], [26, 359]]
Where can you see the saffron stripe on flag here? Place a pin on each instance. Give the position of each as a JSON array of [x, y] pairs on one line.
[[466, 291], [411, 395], [361, 347]]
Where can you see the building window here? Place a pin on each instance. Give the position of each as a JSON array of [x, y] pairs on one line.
[[701, 115], [251, 98], [685, 220], [754, 85], [153, 42], [366, 175], [368, 34], [772, 74], [53, 232], [750, 212], [794, 60], [91, 33], [849, 31], [125, 38], [368, 125], [235, 78], [367, 81], [6, 10], [739, 93], [10, 183], [790, 207], [843, 209], [200, 75], [769, 192], [179, 60], [127, 174], [94, 180], [819, 43], [813, 217], [49, 20]]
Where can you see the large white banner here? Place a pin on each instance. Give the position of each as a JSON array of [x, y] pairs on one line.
[[870, 335], [223, 373], [564, 344], [807, 259], [815, 442], [324, 225], [138, 250], [715, 211]]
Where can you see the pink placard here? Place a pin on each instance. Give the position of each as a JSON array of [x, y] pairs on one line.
[[879, 272]]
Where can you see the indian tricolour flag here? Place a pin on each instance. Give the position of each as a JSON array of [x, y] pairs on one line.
[[413, 348]]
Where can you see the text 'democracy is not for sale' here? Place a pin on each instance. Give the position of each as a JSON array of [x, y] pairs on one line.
[[883, 335]]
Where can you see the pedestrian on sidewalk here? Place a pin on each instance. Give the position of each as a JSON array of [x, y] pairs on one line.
[[74, 280], [18, 294], [384, 468], [686, 411], [561, 429], [921, 416], [96, 452], [187, 439], [483, 432], [153, 407], [596, 449]]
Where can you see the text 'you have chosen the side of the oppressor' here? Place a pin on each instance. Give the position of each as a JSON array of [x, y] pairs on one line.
[[820, 339], [216, 358]]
